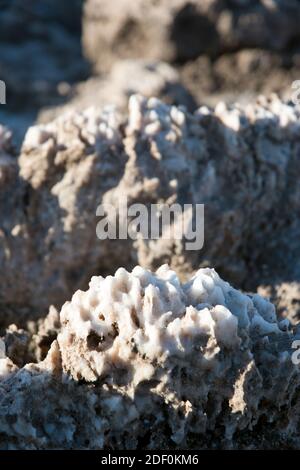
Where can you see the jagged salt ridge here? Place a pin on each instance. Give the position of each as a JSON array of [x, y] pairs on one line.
[[241, 162]]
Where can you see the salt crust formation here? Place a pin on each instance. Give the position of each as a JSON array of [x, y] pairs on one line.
[[129, 316], [158, 153], [142, 360]]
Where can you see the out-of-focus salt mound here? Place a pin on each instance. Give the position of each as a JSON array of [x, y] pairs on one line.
[[222, 50], [143, 361], [240, 161], [182, 30]]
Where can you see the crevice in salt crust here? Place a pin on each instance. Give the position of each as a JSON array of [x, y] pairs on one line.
[[142, 360]]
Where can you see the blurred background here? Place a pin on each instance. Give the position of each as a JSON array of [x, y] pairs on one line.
[[56, 55]]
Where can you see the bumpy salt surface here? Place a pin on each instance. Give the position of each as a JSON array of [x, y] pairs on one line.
[[142, 360], [132, 317]]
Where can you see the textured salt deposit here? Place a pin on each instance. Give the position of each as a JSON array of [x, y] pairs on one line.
[[124, 318], [157, 153], [142, 360]]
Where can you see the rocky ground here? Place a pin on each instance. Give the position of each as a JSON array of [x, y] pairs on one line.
[[155, 101], [144, 361]]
